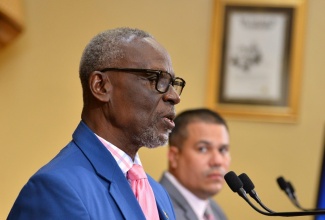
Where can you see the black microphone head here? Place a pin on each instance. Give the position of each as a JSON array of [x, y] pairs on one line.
[[248, 184], [282, 183], [290, 186], [233, 181]]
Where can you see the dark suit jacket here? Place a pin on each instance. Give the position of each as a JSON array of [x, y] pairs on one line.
[[84, 182], [182, 208]]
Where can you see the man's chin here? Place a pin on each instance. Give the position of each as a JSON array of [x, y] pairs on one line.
[[159, 142], [214, 189]]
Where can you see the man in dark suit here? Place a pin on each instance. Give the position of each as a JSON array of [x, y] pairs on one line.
[[129, 94], [198, 158]]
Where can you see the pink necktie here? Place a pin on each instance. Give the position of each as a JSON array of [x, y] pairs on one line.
[[208, 215], [143, 192]]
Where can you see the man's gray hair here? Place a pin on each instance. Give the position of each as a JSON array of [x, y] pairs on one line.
[[105, 49]]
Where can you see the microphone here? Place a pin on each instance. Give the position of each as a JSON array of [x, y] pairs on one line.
[[287, 187], [236, 185], [249, 188], [284, 186]]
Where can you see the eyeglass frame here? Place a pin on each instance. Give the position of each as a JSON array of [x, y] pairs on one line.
[[151, 71]]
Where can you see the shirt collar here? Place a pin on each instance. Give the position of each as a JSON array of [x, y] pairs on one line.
[[123, 160], [198, 205]]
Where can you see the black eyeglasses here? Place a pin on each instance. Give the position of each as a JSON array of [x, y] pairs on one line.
[[163, 79]]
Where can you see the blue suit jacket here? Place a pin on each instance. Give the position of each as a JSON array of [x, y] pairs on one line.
[[84, 182]]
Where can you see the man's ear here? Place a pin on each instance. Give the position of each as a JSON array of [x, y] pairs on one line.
[[173, 155], [100, 86]]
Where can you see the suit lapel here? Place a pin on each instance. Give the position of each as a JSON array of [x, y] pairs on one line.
[[106, 167], [217, 211], [163, 213], [179, 199], [165, 209], [125, 199]]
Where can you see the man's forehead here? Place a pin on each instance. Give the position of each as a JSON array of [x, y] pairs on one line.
[[148, 53], [199, 126], [147, 42]]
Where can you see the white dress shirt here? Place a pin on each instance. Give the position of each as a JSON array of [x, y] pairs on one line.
[[198, 205]]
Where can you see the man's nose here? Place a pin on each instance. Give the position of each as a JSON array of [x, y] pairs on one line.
[[216, 158], [171, 96]]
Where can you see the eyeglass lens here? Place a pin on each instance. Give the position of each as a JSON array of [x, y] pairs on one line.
[[178, 86], [164, 81]]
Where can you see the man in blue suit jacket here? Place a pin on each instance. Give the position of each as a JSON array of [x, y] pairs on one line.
[[129, 94]]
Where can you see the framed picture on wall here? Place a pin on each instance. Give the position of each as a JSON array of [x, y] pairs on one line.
[[256, 59]]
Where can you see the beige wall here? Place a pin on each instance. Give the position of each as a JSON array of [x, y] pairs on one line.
[[41, 96]]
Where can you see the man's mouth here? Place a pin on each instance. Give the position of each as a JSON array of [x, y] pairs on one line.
[[216, 174], [169, 120]]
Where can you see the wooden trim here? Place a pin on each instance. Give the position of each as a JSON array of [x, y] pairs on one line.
[[11, 21]]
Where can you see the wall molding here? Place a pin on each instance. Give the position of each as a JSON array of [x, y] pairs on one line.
[[11, 21]]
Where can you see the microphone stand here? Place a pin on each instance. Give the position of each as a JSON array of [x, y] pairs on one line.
[[236, 185], [287, 187]]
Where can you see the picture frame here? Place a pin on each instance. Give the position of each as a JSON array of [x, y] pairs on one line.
[[256, 59]]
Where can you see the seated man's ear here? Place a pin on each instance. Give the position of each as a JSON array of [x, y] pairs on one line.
[[173, 155], [100, 86]]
